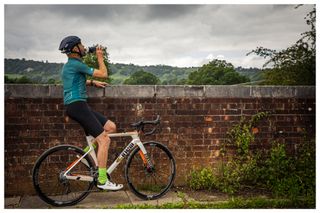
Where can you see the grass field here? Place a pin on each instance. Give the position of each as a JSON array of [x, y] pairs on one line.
[[13, 75]]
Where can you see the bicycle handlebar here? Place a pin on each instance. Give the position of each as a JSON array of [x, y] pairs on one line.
[[140, 125]]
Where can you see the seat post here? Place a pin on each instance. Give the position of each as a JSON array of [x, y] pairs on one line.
[[90, 140]]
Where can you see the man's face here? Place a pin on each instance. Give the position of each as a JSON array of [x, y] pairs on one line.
[[79, 48]]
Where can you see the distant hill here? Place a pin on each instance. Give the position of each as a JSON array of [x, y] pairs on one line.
[[37, 71], [167, 74], [45, 72]]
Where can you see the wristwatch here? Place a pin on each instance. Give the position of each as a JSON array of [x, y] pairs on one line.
[[91, 82]]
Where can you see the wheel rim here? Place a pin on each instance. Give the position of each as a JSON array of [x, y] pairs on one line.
[[151, 183]]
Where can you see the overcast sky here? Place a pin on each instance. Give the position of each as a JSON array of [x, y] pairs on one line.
[[177, 35]]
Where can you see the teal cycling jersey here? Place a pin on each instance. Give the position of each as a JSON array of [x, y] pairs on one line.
[[74, 80]]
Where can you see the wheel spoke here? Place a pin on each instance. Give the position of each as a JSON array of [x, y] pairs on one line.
[[163, 174]]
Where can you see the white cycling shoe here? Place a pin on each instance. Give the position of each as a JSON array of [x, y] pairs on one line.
[[110, 186]]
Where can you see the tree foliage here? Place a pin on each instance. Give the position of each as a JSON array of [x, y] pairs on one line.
[[296, 64], [21, 80], [142, 78], [91, 60], [42, 72], [216, 72]]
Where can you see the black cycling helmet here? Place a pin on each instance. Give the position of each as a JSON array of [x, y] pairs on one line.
[[68, 43]]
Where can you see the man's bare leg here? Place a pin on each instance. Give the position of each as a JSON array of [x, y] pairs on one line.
[[103, 141], [109, 127]]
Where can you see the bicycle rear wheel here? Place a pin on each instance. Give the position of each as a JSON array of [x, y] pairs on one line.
[[49, 182], [150, 183]]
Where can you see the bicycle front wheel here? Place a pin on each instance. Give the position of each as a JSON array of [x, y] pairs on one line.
[[48, 175], [150, 183]]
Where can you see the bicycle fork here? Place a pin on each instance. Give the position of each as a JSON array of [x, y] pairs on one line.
[[146, 159]]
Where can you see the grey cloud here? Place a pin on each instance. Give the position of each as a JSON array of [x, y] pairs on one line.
[[283, 6], [152, 34], [106, 12], [128, 12], [250, 22], [85, 13], [170, 11]]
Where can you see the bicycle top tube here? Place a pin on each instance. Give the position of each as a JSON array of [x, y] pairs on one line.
[[139, 126], [124, 134]]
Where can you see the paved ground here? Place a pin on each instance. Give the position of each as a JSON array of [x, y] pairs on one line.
[[94, 200]]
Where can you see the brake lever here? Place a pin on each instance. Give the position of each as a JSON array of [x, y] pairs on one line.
[[150, 132]]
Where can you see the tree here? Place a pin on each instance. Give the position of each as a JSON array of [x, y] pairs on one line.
[[24, 80], [142, 78], [91, 60], [51, 81], [296, 64], [6, 79], [21, 80], [216, 72]]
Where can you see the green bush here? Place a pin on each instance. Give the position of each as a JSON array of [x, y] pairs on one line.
[[201, 179], [286, 187], [291, 177], [229, 179], [242, 170], [306, 167], [278, 164], [236, 175], [241, 135], [278, 168]]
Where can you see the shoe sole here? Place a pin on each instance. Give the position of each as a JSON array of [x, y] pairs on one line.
[[114, 190]]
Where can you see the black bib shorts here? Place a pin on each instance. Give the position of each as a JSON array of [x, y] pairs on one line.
[[92, 122]]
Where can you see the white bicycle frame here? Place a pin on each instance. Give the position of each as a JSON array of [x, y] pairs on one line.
[[135, 141]]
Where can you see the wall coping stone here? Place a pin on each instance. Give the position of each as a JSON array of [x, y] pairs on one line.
[[162, 91]]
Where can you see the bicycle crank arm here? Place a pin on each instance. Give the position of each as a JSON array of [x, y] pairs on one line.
[[79, 177]]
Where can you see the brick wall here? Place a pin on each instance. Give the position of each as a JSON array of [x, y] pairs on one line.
[[194, 121]]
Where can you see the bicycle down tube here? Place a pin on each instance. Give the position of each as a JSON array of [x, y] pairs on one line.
[[135, 141]]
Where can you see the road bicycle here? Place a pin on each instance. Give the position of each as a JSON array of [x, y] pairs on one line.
[[65, 174]]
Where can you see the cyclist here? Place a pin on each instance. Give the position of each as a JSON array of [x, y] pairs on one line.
[[75, 99]]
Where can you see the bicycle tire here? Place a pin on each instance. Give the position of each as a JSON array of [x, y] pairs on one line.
[[50, 159], [134, 170]]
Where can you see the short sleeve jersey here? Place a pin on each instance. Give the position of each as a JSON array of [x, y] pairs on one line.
[[74, 80]]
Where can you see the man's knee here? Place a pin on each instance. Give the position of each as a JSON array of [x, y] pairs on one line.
[[110, 127], [103, 139]]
